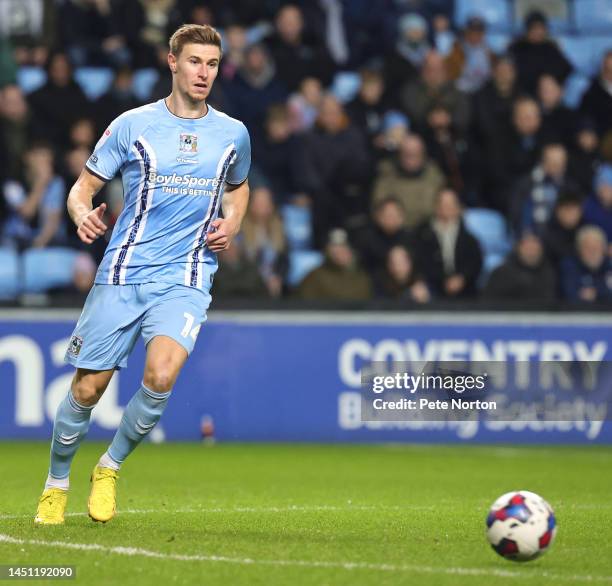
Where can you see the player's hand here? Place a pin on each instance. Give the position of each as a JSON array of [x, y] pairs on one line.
[[220, 234], [91, 226]]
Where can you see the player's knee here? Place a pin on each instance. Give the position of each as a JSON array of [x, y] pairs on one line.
[[160, 379], [86, 392]]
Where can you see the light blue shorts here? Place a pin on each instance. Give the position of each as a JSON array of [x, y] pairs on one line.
[[114, 315]]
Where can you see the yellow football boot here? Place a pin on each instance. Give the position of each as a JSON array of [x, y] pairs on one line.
[[51, 507], [102, 498]]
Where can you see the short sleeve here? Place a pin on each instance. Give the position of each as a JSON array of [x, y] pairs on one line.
[[239, 169], [111, 151]]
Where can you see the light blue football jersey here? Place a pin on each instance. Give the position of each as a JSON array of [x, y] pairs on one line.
[[174, 171]]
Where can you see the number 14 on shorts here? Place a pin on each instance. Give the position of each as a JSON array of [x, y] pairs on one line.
[[188, 329]]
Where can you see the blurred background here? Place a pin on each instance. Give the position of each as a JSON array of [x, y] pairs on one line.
[[435, 155]]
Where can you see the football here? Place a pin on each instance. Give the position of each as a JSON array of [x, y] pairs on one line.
[[521, 526]]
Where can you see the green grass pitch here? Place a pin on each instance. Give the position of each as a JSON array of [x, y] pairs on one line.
[[311, 515]]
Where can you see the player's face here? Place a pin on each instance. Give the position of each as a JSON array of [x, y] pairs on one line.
[[195, 70]]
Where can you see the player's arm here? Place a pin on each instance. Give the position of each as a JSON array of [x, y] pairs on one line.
[[80, 207], [235, 201]]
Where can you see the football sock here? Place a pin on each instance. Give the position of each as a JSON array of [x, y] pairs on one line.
[[107, 462], [139, 418], [69, 429], [63, 483]]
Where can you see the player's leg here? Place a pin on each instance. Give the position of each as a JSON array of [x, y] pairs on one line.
[[69, 429], [169, 327]]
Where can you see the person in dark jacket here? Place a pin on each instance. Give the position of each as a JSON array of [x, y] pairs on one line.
[[536, 53], [526, 274], [449, 257], [399, 279], [558, 121], [559, 235], [598, 207], [588, 275], [238, 277], [597, 101], [584, 157], [385, 231]]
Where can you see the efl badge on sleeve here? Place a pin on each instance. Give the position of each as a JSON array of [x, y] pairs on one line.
[[188, 143], [76, 343]]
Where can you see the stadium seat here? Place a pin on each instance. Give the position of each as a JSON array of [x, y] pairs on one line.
[[345, 85], [94, 81], [46, 268], [498, 42], [557, 12], [9, 274], [579, 51], [600, 46], [302, 262], [297, 221], [143, 82], [30, 79], [496, 13], [593, 16], [490, 229], [575, 87]]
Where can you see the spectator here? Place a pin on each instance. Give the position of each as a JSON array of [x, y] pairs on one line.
[[399, 280], [597, 101], [29, 27], [448, 255], [411, 177], [8, 66], [598, 207], [536, 54], [295, 55], [515, 155], [58, 103], [254, 89], [434, 86], [118, 99], [83, 133], [451, 151], [264, 240], [584, 154], [304, 105], [35, 203], [469, 62], [559, 235], [335, 170], [588, 275], [238, 277], [404, 61], [368, 108], [14, 129], [558, 122], [535, 195], [235, 42], [526, 275], [277, 153], [385, 231], [493, 104], [339, 278], [91, 33]]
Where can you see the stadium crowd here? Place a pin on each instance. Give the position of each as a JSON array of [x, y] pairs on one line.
[[396, 154]]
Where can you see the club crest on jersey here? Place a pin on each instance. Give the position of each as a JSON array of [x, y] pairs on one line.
[[188, 143], [74, 347]]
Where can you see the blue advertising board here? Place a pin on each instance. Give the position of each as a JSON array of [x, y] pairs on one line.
[[296, 376]]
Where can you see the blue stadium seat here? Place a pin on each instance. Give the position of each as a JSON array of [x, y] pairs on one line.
[[143, 82], [579, 51], [302, 262], [593, 16], [498, 42], [345, 85], [94, 81], [297, 221], [9, 273], [496, 13], [575, 87], [557, 12], [30, 79], [490, 229], [46, 268], [600, 45]]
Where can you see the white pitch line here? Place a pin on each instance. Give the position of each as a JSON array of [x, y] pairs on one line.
[[285, 509], [137, 551]]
